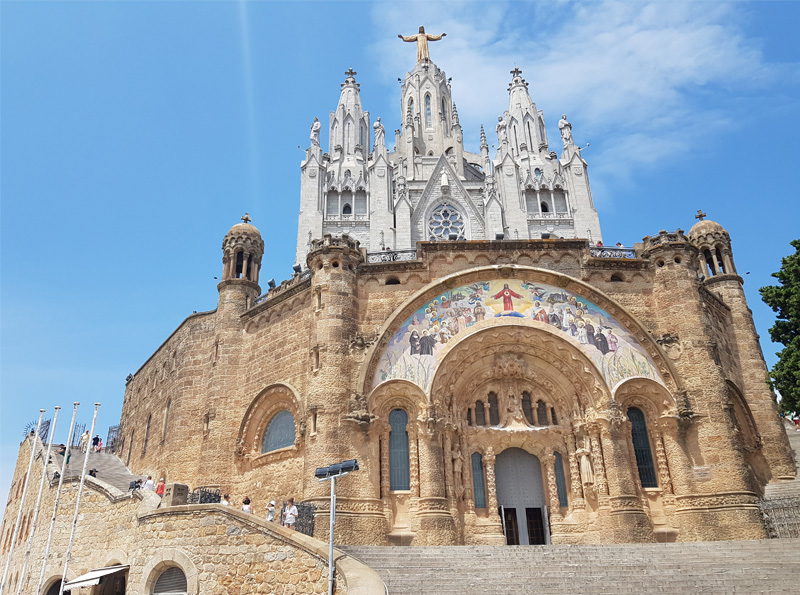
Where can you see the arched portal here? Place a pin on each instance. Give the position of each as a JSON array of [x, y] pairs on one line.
[[520, 496]]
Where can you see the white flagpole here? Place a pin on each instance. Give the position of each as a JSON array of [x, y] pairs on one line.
[[77, 507], [58, 497], [21, 502], [38, 501]]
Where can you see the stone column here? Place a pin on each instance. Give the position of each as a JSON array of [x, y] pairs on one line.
[[436, 524], [491, 484], [413, 461], [552, 488], [598, 464], [449, 482], [577, 502], [385, 477]]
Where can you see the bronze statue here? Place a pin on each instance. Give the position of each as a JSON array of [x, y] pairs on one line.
[[422, 40]]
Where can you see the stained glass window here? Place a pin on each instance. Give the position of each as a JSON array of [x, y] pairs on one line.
[[280, 432]]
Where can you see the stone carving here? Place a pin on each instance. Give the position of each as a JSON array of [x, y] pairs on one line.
[[458, 466], [422, 40], [380, 135], [358, 411], [315, 128], [502, 135], [566, 130]]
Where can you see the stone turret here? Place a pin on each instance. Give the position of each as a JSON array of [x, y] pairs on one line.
[[242, 250]]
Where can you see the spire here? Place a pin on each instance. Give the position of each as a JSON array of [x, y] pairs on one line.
[[484, 144], [349, 127], [455, 115]]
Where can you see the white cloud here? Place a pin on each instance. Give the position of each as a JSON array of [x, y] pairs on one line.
[[641, 81]]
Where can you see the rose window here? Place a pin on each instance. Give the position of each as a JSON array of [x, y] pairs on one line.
[[444, 222]]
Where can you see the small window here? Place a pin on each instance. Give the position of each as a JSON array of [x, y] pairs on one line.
[[527, 408], [480, 414], [545, 208], [561, 483], [616, 278], [541, 413], [280, 432], [478, 485], [171, 582], [146, 434], [710, 262], [469, 417], [553, 416], [720, 261], [399, 467], [428, 119], [392, 281], [347, 210]]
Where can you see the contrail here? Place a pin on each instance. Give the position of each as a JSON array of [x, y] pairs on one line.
[[249, 99]]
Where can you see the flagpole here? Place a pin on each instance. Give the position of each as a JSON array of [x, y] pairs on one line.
[[77, 507], [38, 501], [21, 502], [58, 497]]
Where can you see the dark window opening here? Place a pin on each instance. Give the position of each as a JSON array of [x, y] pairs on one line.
[[641, 448], [541, 413], [527, 408], [480, 414], [494, 413]]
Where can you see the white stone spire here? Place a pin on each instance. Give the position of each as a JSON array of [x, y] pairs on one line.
[[349, 123]]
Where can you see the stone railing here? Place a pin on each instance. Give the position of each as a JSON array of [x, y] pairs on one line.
[[304, 275], [664, 237], [534, 216], [604, 252], [345, 217], [391, 256]]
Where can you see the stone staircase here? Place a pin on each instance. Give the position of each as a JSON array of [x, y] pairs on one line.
[[109, 467], [764, 566], [787, 489]]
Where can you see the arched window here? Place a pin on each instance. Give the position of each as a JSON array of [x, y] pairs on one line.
[[444, 222], [146, 434], [478, 485], [347, 201], [545, 208], [280, 432], [411, 106], [469, 417], [166, 420], [399, 472], [641, 448], [538, 173], [239, 264], [494, 413], [444, 111], [527, 407], [710, 262], [428, 119], [530, 135], [480, 414], [541, 413], [346, 209], [171, 582], [561, 483], [553, 416]]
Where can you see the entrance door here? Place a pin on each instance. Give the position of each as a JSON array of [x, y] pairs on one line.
[[520, 492]]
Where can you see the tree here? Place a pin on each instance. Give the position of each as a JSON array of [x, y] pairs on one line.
[[785, 300]]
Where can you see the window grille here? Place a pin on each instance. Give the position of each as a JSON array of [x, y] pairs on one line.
[[641, 448], [399, 473], [171, 582]]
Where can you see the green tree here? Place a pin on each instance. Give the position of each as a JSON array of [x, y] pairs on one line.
[[785, 300]]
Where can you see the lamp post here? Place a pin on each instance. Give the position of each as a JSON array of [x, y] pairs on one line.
[[331, 473]]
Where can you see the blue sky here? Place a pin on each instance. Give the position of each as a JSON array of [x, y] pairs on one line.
[[134, 134]]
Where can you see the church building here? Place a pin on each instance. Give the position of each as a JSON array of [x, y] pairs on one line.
[[455, 324]]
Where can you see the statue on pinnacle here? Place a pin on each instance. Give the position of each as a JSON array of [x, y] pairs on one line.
[[422, 40]]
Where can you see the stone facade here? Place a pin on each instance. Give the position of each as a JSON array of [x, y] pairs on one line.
[[508, 376]]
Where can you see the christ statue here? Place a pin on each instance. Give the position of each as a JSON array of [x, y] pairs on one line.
[[422, 40]]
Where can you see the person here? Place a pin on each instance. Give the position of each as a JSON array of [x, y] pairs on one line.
[[291, 515], [414, 342], [246, 506], [149, 484], [271, 511], [224, 500], [100, 445], [93, 472], [95, 441], [619, 245], [506, 294], [426, 344], [796, 421], [84, 443], [160, 487], [599, 244]]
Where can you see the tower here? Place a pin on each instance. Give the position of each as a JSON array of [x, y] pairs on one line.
[[242, 249]]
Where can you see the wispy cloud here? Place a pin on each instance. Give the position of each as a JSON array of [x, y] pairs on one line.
[[641, 81]]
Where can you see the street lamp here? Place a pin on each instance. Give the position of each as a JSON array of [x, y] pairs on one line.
[[324, 474]]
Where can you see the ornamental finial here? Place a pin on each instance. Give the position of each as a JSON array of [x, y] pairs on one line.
[[246, 218], [700, 215]]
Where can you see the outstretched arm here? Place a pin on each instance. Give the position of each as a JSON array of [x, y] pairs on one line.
[[409, 38], [435, 37]]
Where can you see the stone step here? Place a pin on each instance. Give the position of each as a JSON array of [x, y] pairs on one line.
[[109, 468], [766, 566]]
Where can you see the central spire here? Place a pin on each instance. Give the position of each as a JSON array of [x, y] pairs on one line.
[[422, 40]]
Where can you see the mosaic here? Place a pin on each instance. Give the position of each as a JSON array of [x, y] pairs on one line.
[[414, 350]]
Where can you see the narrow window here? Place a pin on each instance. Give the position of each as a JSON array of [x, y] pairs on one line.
[[146, 434], [541, 413], [480, 414], [710, 262], [494, 414], [280, 432], [530, 136], [641, 448], [428, 122], [477, 480], [561, 483], [527, 408], [469, 417], [166, 420], [248, 272], [313, 421], [239, 264], [553, 416], [444, 111], [720, 261], [347, 210], [130, 448], [399, 472], [545, 208]]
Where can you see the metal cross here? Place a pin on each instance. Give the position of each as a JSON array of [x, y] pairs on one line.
[[246, 218], [516, 71], [351, 72], [700, 215]]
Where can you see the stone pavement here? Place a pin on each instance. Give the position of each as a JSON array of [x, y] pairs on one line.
[[763, 566], [109, 468]]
